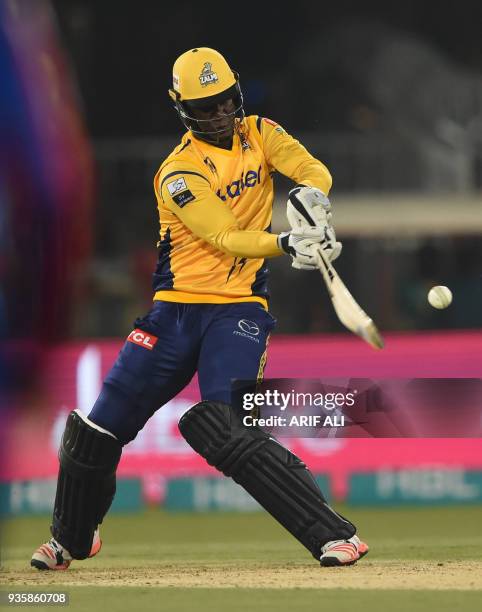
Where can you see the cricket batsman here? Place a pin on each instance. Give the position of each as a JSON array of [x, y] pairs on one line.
[[209, 315]]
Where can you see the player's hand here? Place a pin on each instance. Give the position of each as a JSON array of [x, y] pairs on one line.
[[309, 207], [302, 245]]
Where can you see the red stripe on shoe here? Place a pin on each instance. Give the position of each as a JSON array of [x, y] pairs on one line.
[[45, 550], [344, 547], [51, 553]]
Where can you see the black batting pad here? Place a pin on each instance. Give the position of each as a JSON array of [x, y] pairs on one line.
[[86, 484], [275, 477]]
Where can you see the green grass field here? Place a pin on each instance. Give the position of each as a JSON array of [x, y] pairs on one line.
[[419, 558]]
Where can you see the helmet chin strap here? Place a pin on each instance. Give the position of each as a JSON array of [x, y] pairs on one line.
[[212, 137]]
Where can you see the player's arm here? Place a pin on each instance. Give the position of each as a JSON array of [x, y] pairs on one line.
[[308, 204], [288, 156], [188, 194]]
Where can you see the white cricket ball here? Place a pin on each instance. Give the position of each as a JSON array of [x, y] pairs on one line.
[[440, 297]]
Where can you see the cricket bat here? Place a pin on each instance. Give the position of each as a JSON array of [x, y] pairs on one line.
[[348, 311]]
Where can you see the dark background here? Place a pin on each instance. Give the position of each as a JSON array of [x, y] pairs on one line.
[[123, 53]]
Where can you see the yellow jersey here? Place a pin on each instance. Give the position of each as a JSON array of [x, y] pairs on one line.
[[215, 209]]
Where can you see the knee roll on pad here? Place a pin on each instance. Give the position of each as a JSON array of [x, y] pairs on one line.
[[268, 471], [86, 484]]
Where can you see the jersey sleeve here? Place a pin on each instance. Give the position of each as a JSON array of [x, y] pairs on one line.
[[285, 154], [188, 194]]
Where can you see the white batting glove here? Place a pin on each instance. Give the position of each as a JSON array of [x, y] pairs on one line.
[[301, 245], [309, 207]]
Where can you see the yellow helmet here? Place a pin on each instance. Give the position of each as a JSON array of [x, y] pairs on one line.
[[200, 73], [202, 78]]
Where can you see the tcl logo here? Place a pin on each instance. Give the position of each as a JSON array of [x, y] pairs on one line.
[[137, 336]]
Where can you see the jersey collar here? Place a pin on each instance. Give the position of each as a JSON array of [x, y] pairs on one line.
[[234, 150]]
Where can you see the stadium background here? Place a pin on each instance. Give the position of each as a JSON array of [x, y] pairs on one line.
[[387, 96]]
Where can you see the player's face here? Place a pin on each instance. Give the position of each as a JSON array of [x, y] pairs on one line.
[[219, 118]]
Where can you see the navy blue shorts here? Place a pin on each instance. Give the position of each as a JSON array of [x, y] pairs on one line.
[[168, 346]]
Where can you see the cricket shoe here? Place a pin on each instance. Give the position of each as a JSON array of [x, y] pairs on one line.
[[53, 556], [343, 552]]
